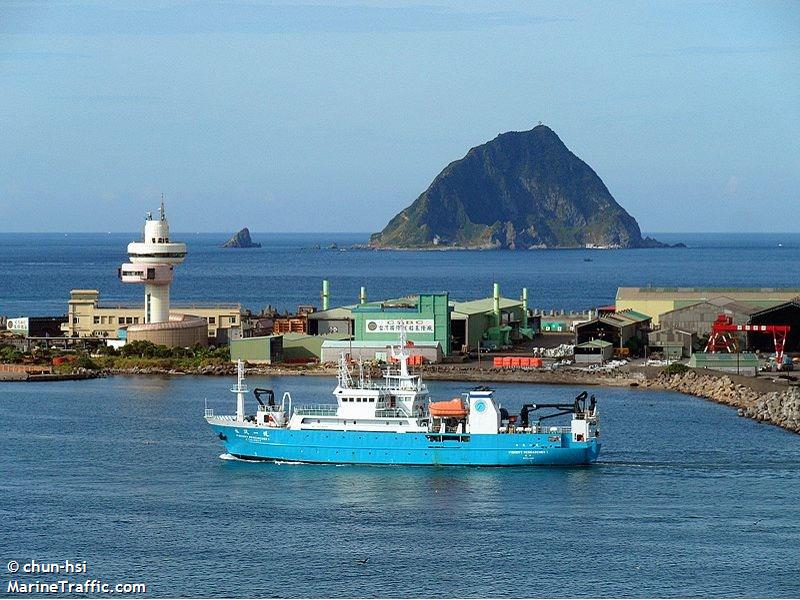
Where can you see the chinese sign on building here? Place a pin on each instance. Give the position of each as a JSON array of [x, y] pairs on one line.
[[396, 325]]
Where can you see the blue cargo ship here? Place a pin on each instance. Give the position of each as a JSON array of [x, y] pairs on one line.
[[394, 422]]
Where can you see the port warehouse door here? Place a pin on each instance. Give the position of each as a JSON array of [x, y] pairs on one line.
[[787, 313], [458, 333]]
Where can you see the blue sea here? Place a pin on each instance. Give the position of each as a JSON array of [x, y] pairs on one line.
[[37, 271], [687, 500]]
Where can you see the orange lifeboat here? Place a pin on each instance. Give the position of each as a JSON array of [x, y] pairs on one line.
[[448, 408]]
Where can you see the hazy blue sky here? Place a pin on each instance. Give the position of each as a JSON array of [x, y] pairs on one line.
[[333, 116]]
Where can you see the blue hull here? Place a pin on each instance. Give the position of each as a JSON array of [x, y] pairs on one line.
[[381, 448]]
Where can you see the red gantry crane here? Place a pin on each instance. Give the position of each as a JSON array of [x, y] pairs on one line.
[[722, 338]]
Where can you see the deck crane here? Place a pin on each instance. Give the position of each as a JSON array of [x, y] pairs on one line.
[[722, 338]]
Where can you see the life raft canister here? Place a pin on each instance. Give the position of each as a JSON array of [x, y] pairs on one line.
[[448, 408]]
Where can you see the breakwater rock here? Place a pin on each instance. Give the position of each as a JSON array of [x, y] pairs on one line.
[[778, 407], [227, 370]]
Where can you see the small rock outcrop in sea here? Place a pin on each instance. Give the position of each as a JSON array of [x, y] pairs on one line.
[[523, 189], [241, 240]]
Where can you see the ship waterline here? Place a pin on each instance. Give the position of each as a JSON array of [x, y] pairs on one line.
[[353, 447], [394, 422]]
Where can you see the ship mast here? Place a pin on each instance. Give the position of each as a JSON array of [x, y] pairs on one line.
[[402, 355], [345, 379], [240, 390]]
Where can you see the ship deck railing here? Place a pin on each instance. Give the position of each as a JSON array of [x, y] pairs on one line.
[[209, 414], [537, 429], [317, 410], [383, 413]]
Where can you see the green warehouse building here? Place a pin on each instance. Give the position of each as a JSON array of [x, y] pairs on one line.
[[425, 318]]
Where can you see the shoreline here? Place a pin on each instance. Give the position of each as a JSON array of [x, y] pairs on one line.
[[765, 399]]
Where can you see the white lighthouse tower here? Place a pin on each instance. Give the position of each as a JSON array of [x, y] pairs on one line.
[[151, 263]]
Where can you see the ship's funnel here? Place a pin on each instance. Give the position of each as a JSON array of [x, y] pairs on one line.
[[362, 296], [325, 294]]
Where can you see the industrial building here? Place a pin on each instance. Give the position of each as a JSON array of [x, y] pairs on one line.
[[655, 301], [618, 328], [86, 317], [593, 352], [282, 348], [491, 322], [265, 350], [426, 318], [698, 317], [334, 320], [741, 363], [672, 342], [36, 327], [378, 350], [433, 325], [786, 313]]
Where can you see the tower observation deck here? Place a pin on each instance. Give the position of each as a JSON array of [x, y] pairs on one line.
[[152, 261]]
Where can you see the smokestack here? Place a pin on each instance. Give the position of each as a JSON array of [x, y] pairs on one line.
[[362, 297], [496, 303], [325, 294], [525, 308]]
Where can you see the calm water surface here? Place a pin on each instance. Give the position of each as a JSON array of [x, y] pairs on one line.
[[37, 271], [688, 500]]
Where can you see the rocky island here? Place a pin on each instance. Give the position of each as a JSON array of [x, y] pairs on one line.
[[523, 189], [241, 240]]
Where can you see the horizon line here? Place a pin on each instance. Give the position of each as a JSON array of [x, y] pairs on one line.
[[228, 233]]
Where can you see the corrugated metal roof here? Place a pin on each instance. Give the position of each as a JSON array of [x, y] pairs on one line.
[[594, 344], [373, 344], [765, 311], [620, 319], [710, 360], [634, 315], [722, 303], [340, 312], [293, 336], [483, 305], [701, 293]]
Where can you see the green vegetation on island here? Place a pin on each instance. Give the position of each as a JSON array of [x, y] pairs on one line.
[[521, 190]]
